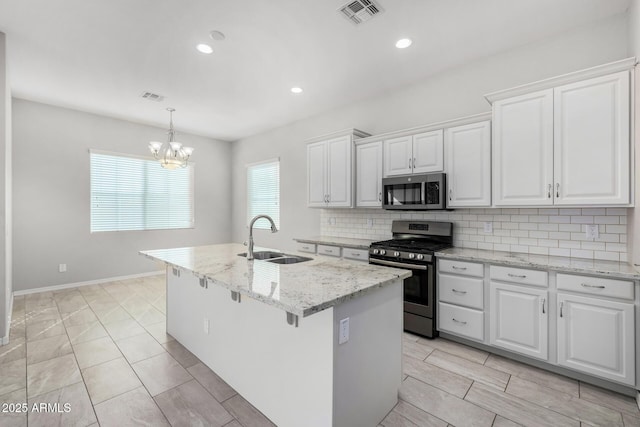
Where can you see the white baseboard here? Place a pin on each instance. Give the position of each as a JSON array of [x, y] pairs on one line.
[[638, 398], [86, 283]]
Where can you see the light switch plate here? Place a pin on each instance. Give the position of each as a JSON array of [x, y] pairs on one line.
[[343, 334], [62, 268], [206, 326], [369, 222], [488, 227]]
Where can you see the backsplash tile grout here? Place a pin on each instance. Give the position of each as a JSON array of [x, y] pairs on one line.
[[544, 231]]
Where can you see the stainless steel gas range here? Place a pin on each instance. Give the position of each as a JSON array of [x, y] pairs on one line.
[[412, 248]]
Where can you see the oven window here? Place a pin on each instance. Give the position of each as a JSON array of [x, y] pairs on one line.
[[416, 288], [404, 194]]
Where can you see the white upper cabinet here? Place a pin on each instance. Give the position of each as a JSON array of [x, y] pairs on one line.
[[339, 170], [369, 174], [418, 153], [523, 150], [398, 156], [317, 174], [592, 141], [428, 152], [330, 168], [564, 140], [468, 153]]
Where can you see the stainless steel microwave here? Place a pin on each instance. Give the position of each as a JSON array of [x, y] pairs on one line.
[[414, 192]]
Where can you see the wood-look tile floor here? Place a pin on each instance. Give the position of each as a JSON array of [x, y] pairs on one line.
[[103, 350]]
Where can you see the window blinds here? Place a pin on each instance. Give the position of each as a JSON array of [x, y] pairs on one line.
[[133, 193], [263, 192]]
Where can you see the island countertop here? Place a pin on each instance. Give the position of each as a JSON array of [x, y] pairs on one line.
[[301, 289]]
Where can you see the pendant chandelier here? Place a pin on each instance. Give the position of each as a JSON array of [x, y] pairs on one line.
[[172, 154]]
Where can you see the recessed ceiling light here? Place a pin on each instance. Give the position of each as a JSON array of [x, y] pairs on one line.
[[204, 48], [403, 43], [217, 35], [296, 89]]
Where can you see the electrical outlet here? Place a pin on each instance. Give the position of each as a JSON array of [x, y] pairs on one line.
[[488, 227], [591, 231], [332, 221], [343, 335], [62, 268], [370, 222], [206, 326]]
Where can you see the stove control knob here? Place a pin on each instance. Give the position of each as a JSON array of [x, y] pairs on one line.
[[383, 252], [396, 254], [420, 256], [376, 251], [412, 256]]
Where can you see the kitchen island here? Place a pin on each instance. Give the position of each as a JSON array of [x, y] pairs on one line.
[[273, 332]]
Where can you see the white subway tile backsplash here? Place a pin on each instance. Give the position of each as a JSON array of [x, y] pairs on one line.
[[552, 231]]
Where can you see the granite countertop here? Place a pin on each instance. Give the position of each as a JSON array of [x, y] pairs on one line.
[[613, 269], [338, 241], [302, 289]]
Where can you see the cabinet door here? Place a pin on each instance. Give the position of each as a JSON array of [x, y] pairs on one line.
[[428, 152], [519, 319], [369, 175], [339, 170], [523, 150], [469, 165], [316, 174], [597, 337], [591, 137], [398, 156]]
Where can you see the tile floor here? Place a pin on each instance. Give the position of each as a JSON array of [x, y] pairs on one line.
[[104, 350]]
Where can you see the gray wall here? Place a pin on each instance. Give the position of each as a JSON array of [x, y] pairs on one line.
[[633, 230], [5, 193], [51, 196], [455, 93]]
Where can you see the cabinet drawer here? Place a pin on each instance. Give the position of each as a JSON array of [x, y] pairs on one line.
[[461, 290], [357, 254], [329, 250], [596, 286], [461, 321], [461, 267], [519, 275], [307, 247]]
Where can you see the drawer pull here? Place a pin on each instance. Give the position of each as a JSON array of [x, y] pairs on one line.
[[458, 292], [455, 267], [517, 276], [586, 285], [458, 321], [354, 254]]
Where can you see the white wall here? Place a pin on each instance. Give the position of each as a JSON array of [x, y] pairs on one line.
[[634, 50], [5, 193], [51, 196], [455, 93]]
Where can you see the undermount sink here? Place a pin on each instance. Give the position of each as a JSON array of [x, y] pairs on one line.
[[288, 259], [277, 257], [264, 255]]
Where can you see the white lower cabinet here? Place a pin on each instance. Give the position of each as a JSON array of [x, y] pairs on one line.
[[519, 319], [596, 336], [461, 321]]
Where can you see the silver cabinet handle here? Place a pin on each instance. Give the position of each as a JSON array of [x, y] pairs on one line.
[[450, 194], [458, 292], [410, 165], [355, 254], [458, 321], [544, 300], [328, 198], [380, 196], [561, 305], [557, 189], [517, 276], [414, 163], [586, 285], [549, 191], [455, 267]]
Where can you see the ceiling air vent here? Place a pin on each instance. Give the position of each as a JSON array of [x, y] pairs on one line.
[[152, 96], [360, 11]]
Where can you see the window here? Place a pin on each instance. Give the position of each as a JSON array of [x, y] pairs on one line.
[[263, 192], [135, 193]]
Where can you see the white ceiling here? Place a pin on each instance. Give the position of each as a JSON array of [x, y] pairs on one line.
[[99, 56]]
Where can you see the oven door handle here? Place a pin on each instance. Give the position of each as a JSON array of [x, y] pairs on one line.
[[398, 264]]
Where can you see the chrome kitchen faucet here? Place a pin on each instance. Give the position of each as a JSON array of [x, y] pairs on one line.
[[274, 229]]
